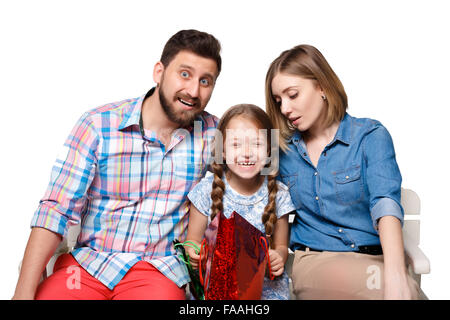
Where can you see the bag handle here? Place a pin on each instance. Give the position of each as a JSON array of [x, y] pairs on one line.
[[263, 242], [205, 246], [187, 244]]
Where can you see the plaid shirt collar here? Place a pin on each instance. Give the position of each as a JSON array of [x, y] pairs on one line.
[[133, 117]]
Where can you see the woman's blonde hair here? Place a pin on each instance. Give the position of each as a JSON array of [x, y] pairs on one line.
[[307, 62], [257, 115]]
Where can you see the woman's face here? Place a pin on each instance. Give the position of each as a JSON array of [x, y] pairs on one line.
[[300, 100]]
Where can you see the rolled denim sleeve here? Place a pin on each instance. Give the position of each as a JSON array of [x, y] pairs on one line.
[[383, 175]]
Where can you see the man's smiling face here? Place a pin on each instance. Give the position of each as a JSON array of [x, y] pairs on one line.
[[185, 86]]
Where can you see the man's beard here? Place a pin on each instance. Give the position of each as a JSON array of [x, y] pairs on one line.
[[183, 118]]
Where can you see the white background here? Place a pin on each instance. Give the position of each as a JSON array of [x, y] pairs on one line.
[[60, 58]]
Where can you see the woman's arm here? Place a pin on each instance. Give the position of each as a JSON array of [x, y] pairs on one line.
[[42, 243], [279, 254], [196, 230], [395, 273]]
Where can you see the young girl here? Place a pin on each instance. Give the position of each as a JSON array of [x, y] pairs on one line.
[[238, 185]]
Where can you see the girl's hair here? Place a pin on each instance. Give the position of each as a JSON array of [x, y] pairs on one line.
[[307, 62], [257, 115]]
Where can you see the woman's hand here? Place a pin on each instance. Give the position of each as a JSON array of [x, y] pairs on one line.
[[396, 286], [276, 262]]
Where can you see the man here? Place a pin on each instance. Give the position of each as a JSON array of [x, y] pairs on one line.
[[124, 176]]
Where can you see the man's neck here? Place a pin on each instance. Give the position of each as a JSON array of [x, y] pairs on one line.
[[155, 119]]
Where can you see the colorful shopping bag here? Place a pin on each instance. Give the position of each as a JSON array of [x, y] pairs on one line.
[[233, 259]]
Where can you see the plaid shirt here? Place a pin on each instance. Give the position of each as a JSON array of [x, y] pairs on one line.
[[126, 189]]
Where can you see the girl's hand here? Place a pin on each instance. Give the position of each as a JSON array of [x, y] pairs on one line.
[[192, 255], [276, 262], [196, 230]]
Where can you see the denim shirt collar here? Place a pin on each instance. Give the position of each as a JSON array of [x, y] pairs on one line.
[[343, 134]]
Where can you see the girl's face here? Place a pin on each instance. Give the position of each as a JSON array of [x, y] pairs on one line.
[[300, 100], [245, 148]]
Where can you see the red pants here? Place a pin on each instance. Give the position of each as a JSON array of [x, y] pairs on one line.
[[71, 282]]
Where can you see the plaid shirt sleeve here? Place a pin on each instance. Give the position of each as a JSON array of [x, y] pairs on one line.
[[127, 190], [72, 174]]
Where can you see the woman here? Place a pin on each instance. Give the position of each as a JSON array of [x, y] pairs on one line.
[[344, 182]]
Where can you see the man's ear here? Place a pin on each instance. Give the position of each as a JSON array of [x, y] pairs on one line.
[[158, 70]]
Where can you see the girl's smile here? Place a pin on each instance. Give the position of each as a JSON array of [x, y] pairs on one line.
[[245, 151]]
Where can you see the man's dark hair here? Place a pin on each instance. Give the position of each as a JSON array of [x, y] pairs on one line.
[[200, 43]]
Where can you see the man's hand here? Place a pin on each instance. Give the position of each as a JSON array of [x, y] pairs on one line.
[[40, 248]]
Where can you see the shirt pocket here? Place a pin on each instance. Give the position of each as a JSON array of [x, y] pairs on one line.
[[290, 180], [348, 185], [187, 173]]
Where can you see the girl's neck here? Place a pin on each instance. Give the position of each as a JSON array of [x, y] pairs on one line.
[[245, 187]]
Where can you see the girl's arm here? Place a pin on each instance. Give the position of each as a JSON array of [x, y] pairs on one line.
[[395, 274], [196, 230], [279, 254]]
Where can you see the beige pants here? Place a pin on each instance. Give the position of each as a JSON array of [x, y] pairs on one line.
[[340, 275]]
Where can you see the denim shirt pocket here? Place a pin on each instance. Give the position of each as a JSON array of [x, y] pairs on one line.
[[290, 180], [348, 185]]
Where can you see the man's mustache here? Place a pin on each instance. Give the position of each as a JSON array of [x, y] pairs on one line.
[[196, 102]]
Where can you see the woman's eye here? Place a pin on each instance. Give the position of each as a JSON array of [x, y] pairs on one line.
[[293, 96], [184, 74]]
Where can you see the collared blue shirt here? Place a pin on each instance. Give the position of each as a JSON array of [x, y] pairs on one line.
[[356, 182]]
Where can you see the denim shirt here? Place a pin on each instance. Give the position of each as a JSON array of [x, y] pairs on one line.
[[356, 182]]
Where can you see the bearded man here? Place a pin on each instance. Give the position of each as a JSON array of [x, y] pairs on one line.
[[124, 174]]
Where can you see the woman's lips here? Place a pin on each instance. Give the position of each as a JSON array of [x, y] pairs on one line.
[[294, 120]]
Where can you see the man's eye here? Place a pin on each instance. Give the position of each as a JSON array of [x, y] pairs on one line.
[[204, 82], [184, 74]]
